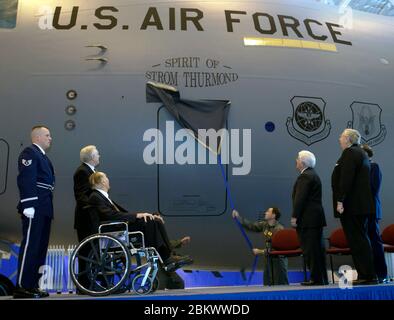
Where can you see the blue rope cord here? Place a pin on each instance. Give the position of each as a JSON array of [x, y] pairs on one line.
[[236, 220]]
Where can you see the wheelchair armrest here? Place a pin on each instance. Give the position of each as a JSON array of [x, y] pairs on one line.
[[114, 223], [137, 233]]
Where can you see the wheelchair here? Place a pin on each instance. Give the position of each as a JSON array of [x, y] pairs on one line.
[[116, 261]]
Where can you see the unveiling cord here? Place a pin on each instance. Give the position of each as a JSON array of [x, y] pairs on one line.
[[229, 197]]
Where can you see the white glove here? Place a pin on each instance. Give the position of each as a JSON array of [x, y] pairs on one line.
[[29, 212]]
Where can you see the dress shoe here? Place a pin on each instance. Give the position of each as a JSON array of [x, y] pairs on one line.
[[384, 280], [175, 262], [313, 283], [183, 260], [365, 282], [21, 293], [43, 294]]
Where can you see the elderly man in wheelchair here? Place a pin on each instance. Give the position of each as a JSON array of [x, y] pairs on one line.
[[126, 251]]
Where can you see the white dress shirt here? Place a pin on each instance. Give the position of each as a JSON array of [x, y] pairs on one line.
[[42, 150], [91, 167], [304, 170], [105, 194]]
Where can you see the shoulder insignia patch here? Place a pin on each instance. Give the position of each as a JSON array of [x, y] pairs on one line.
[[26, 163]]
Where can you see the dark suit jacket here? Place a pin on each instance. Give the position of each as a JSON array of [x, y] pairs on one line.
[[106, 211], [350, 183], [307, 200], [376, 181], [81, 193]]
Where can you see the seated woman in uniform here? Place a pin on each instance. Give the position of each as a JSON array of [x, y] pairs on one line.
[[152, 226]]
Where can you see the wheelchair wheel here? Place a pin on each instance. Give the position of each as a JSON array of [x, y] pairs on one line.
[[138, 287], [135, 263], [106, 265]]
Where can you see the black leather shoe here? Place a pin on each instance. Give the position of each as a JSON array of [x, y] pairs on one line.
[[169, 266], [313, 283], [365, 282], [43, 294], [384, 280], [183, 260], [175, 262], [21, 293]]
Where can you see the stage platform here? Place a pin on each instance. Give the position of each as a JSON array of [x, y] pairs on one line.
[[291, 292]]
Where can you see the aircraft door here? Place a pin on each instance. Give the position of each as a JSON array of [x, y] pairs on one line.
[[189, 189]]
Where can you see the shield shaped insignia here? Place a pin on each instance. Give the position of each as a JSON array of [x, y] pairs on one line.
[[308, 123], [366, 118]]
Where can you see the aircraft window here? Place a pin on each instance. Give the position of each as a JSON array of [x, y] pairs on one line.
[[8, 13], [380, 7]]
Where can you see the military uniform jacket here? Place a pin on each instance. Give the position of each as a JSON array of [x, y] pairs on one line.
[[36, 181], [351, 184], [266, 230]]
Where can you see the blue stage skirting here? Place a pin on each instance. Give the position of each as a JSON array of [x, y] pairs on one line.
[[237, 287], [381, 292], [203, 278]]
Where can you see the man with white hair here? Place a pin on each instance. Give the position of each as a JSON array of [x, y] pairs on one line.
[[309, 219], [90, 159], [151, 225], [353, 203]]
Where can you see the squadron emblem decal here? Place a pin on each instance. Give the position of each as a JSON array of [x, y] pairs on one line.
[[308, 123], [26, 163], [366, 118]]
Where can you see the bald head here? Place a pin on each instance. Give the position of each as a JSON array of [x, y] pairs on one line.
[[41, 136]]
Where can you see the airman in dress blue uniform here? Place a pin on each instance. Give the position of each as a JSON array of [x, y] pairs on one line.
[[36, 181]]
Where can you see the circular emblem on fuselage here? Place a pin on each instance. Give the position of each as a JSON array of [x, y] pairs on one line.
[[308, 116], [308, 123]]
